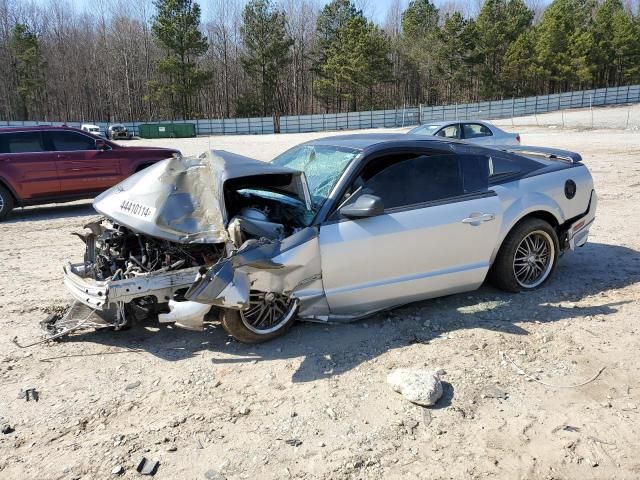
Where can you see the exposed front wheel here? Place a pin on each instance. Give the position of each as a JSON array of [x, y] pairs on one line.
[[6, 202], [527, 258], [269, 315]]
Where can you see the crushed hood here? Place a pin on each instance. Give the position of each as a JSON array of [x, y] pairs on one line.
[[182, 199]]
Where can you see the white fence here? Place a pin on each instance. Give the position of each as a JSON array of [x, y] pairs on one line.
[[399, 117], [521, 107]]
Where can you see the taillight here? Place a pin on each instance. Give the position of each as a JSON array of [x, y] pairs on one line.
[[518, 138]]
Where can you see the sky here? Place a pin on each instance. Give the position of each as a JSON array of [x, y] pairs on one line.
[[373, 9]]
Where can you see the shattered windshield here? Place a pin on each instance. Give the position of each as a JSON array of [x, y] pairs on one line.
[[322, 164]]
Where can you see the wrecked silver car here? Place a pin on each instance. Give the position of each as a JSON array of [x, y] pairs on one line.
[[331, 230]]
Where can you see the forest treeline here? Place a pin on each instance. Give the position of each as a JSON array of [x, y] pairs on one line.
[[160, 59]]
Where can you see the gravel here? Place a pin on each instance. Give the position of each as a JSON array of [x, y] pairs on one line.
[[333, 376]]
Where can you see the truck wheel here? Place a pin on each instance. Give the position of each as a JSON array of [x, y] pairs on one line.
[[6, 202], [527, 257], [268, 316]]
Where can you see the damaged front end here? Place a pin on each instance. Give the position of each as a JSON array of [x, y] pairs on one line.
[[188, 234]]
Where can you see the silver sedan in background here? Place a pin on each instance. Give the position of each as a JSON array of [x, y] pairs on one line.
[[475, 131]]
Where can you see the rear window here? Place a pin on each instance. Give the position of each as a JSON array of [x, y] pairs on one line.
[[476, 130], [21, 142]]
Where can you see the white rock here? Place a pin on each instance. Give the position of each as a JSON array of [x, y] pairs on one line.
[[417, 385]]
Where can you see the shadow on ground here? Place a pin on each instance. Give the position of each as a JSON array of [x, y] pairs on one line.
[[51, 212], [328, 350]]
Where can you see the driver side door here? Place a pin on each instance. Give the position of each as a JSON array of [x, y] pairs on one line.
[[435, 237]]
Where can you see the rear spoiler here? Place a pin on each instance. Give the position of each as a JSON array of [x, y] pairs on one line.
[[550, 153]]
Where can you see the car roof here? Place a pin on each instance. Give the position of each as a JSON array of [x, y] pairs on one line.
[[38, 128], [441, 123], [379, 141]]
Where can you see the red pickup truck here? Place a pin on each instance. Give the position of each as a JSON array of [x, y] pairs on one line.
[[60, 164]]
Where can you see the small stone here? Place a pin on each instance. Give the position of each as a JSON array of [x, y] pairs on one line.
[[172, 448], [491, 391], [419, 386], [294, 442], [132, 385], [213, 475], [117, 470], [244, 411], [322, 444], [331, 413], [474, 347], [410, 424], [148, 467], [7, 429]]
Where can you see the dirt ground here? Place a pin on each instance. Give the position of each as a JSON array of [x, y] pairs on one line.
[[315, 403]]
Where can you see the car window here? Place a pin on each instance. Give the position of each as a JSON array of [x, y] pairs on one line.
[[22, 142], [501, 167], [425, 130], [450, 131], [475, 172], [476, 130], [408, 180], [70, 141]]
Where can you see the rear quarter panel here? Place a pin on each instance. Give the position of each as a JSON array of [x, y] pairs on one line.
[[544, 192]]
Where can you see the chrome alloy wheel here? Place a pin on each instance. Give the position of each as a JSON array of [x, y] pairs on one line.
[[1, 202], [534, 259], [268, 312]]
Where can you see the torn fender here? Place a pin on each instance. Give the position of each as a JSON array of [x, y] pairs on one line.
[[288, 266]]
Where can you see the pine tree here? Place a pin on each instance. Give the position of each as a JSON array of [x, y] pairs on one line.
[[176, 30], [267, 52], [333, 19], [558, 58], [499, 24], [420, 39], [29, 69], [614, 44], [353, 57], [454, 58], [520, 73]]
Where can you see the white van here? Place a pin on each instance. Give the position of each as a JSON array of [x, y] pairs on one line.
[[87, 127]]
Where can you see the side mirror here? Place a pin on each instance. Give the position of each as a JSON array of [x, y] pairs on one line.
[[366, 205], [101, 145]]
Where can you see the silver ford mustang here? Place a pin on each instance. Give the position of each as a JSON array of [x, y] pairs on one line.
[[332, 230]]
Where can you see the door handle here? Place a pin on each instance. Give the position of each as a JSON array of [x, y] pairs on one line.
[[476, 219]]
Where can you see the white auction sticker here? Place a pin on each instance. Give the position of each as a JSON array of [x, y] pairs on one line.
[[136, 209]]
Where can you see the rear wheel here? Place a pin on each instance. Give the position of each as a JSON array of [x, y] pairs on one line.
[[527, 257], [6, 202], [269, 315]]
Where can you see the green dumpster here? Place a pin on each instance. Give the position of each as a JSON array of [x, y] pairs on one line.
[[167, 130]]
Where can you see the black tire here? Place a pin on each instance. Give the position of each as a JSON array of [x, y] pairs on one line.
[[510, 273], [6, 202], [236, 324]]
